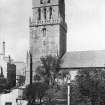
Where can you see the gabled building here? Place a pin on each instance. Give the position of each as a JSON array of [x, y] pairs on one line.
[[83, 60], [48, 37]]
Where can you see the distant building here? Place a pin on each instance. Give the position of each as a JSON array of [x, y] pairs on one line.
[[4, 60], [7, 71], [11, 74], [20, 72]]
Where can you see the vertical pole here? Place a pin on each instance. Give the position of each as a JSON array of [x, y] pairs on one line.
[[68, 93], [4, 48], [30, 68], [69, 81]]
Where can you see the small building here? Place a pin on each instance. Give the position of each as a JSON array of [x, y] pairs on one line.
[[11, 74], [4, 60], [20, 72]]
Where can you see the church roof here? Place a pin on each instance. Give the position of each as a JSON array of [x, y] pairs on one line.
[[81, 59]]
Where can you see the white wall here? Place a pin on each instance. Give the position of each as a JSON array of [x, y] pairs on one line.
[[3, 64], [10, 97]]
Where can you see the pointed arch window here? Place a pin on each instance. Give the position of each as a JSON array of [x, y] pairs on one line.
[[41, 1], [39, 13], [50, 9], [48, 1], [44, 1], [44, 32], [45, 13], [44, 42]]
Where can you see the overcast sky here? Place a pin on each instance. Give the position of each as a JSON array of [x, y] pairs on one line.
[[85, 20]]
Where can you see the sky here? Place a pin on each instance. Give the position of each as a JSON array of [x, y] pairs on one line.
[[85, 20]]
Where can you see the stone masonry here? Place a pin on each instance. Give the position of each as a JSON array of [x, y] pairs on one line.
[[47, 30]]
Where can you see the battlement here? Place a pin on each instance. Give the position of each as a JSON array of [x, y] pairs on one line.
[[48, 22], [45, 22]]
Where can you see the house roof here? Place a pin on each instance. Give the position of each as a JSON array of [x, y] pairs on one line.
[[81, 59]]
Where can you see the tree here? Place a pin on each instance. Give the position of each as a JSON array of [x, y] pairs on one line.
[[34, 92], [91, 84], [49, 68], [21, 80], [55, 95], [63, 75], [37, 78], [3, 84], [76, 97]]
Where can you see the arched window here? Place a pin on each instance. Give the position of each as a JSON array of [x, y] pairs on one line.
[[45, 13], [44, 43], [48, 1], [39, 14], [41, 1], [50, 9], [44, 32]]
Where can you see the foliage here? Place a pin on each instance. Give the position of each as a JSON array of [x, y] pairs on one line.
[[21, 80], [63, 76], [49, 72], [35, 91], [76, 97], [91, 84], [54, 94], [37, 78], [49, 69], [4, 85]]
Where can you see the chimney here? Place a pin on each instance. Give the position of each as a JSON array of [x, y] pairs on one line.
[[3, 48]]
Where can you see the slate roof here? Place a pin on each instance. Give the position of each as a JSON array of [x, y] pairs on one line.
[[81, 59]]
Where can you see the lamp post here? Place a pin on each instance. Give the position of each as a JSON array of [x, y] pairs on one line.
[[68, 87]]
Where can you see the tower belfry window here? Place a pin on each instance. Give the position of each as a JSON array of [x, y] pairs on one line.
[[48, 1], [41, 1], [44, 32], [45, 13], [50, 9], [44, 43], [39, 14]]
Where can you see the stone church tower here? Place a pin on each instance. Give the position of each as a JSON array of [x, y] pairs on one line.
[[47, 29]]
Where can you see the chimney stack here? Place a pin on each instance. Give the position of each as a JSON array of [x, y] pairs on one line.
[[3, 48]]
